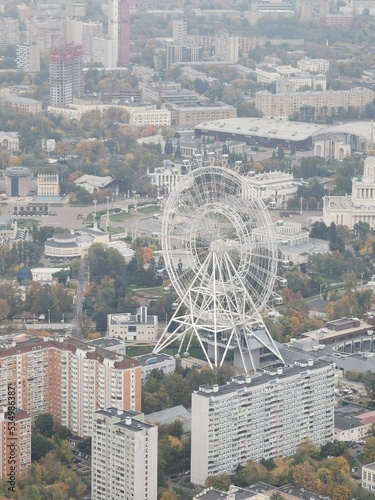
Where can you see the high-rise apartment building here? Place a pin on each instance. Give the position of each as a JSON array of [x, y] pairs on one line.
[[89, 32], [118, 28], [226, 47], [28, 57], [65, 74], [124, 456], [15, 442], [69, 379], [262, 417], [179, 28], [105, 52], [9, 32]]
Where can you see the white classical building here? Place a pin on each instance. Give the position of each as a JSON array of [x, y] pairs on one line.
[[48, 185], [125, 456], [9, 140], [360, 205], [165, 177], [332, 147], [276, 186], [266, 416]]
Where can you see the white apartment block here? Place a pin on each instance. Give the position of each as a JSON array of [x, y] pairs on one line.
[[283, 105], [9, 32], [314, 65], [227, 47], [368, 477], [105, 52], [69, 379], [191, 116], [48, 185], [133, 327], [28, 57], [269, 73], [144, 116], [89, 32], [72, 31], [266, 416], [294, 84], [179, 28], [124, 456]]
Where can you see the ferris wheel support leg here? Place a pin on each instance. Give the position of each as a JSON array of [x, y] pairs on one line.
[[202, 346], [249, 351], [189, 342], [181, 342]]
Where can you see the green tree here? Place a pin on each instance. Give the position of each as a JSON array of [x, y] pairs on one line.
[[40, 446], [220, 481], [44, 424], [369, 449]]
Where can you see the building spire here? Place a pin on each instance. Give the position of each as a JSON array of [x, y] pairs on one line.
[[371, 151]]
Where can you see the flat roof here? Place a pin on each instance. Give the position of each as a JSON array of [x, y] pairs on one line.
[[143, 358], [326, 333], [290, 371], [262, 127]]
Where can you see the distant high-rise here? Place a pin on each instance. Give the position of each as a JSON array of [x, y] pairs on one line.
[[261, 417], [179, 32], [15, 442], [118, 28], [28, 57], [89, 32], [124, 456], [9, 32], [227, 47], [105, 52], [65, 74]]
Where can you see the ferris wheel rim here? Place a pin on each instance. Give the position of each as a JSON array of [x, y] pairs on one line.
[[182, 229]]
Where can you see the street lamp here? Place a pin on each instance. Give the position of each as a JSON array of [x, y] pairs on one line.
[[49, 315], [63, 318], [95, 202], [107, 198]]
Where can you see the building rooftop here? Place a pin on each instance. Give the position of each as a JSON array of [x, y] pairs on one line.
[[94, 180], [143, 358], [128, 418], [105, 342], [261, 127], [169, 415], [249, 383]]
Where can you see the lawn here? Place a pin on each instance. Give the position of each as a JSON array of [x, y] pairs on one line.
[[26, 223], [149, 210], [119, 217]]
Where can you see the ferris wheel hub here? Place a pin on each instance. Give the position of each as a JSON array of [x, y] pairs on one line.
[[217, 246]]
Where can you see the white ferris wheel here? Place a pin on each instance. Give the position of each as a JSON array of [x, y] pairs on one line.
[[220, 252]]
